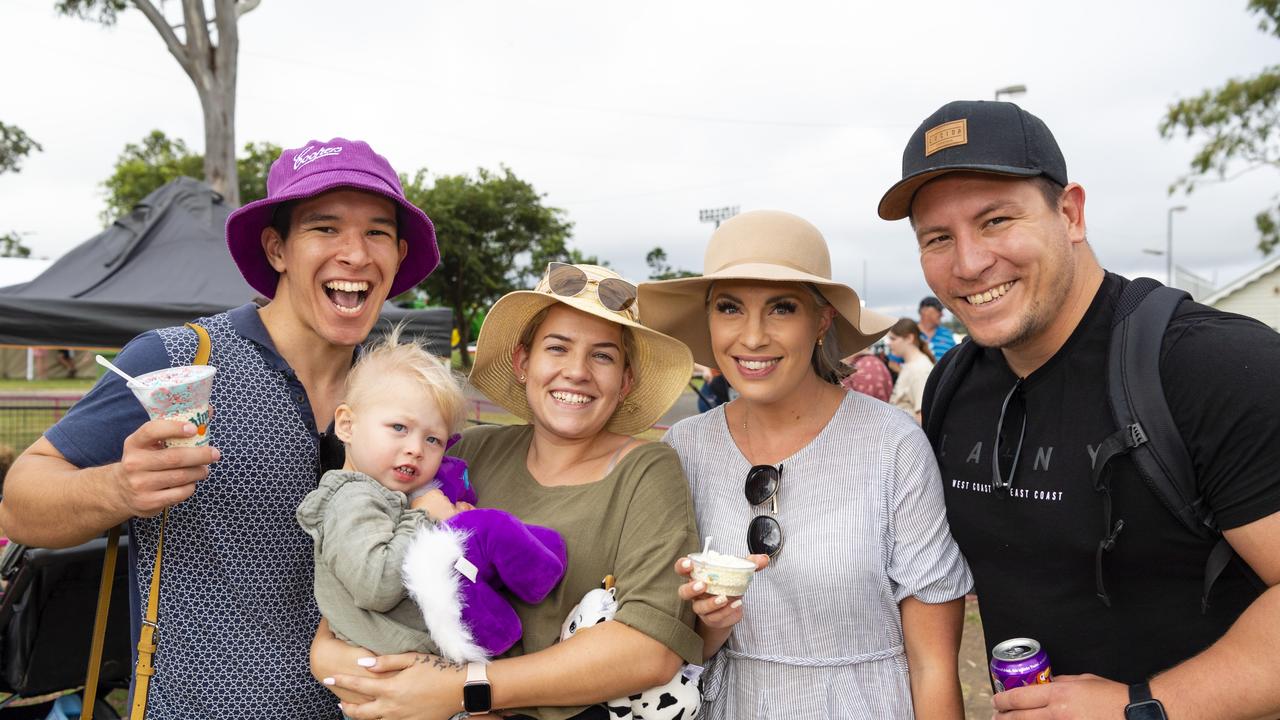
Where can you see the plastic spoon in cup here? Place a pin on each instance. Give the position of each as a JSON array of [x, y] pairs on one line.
[[107, 364]]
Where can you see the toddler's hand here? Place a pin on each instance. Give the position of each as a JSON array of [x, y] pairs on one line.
[[436, 505]]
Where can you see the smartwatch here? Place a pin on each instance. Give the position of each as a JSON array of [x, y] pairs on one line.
[[1142, 706], [477, 695]]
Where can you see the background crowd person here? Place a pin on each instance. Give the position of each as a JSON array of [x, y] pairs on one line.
[[1002, 237], [571, 359], [333, 239], [67, 361], [856, 609], [715, 388], [869, 375], [938, 336], [906, 342]]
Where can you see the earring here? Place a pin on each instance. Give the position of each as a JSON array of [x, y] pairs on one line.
[[520, 379], [819, 341]]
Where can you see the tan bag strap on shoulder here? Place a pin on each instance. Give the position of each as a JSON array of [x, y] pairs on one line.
[[146, 638]]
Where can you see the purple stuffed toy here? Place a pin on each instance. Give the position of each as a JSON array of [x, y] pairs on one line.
[[455, 571]]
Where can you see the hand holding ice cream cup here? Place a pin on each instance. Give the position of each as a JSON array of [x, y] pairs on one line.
[[182, 394], [162, 461], [717, 582]]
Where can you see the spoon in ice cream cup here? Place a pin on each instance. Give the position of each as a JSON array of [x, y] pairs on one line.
[[107, 364]]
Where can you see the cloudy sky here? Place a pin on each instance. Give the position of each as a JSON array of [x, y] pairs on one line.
[[633, 116]]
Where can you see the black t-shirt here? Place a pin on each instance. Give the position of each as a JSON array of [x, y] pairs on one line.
[[1032, 549]]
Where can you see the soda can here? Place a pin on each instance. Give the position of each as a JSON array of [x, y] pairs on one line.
[[1018, 662]]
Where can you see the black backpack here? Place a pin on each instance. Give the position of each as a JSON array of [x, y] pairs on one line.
[[1146, 433]]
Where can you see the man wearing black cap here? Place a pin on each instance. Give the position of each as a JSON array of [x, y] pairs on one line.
[[1001, 233], [932, 330]]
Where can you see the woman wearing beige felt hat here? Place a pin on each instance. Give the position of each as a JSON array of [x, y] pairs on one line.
[[834, 495], [572, 360]]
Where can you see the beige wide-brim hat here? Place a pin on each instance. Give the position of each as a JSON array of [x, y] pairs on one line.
[[661, 365], [766, 245]]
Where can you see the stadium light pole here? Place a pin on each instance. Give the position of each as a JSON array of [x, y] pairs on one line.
[[717, 215]]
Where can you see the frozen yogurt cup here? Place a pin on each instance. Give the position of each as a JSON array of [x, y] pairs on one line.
[[179, 393], [723, 574]]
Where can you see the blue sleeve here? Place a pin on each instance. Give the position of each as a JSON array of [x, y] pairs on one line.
[[93, 431]]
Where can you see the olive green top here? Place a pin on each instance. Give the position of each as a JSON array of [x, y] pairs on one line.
[[633, 524]]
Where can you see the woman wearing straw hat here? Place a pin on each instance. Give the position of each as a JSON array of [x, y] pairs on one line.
[[571, 359], [856, 609]]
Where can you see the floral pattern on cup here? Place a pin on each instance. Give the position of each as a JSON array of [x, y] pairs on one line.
[[179, 393]]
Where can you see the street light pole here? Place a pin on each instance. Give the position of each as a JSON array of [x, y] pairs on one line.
[[1011, 91], [1168, 249]]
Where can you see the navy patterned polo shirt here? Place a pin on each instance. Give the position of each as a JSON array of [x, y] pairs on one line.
[[237, 609]]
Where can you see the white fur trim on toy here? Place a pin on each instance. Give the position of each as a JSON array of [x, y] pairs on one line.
[[432, 581]]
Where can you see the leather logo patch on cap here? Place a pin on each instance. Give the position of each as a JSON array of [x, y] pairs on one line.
[[948, 134]]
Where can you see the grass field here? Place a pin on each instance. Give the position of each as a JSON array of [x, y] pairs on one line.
[[18, 385]]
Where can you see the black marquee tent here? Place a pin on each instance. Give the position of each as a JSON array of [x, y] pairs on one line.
[[163, 264]]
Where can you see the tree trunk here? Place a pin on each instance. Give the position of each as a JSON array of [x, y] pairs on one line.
[[464, 334], [212, 69], [463, 318], [220, 141]]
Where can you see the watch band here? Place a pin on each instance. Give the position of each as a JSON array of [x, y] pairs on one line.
[[1142, 706], [477, 694], [1138, 692]]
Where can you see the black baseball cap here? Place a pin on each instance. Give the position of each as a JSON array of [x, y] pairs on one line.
[[975, 136], [931, 301]]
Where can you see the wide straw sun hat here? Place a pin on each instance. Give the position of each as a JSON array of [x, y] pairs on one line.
[[767, 245], [661, 365]]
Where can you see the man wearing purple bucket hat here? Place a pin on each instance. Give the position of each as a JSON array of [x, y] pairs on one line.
[[334, 238]]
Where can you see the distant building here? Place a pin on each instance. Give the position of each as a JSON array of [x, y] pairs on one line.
[[1199, 287], [1256, 295]]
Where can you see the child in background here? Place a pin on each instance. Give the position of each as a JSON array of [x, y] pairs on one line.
[[398, 504]]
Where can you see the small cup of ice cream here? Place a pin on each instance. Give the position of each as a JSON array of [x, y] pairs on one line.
[[722, 574]]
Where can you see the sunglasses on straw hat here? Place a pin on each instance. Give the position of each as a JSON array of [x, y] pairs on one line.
[[570, 281]]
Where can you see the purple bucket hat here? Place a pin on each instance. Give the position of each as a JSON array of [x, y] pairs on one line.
[[319, 167]]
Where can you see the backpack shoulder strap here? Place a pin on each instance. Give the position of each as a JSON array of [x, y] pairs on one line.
[[942, 385], [1138, 404]]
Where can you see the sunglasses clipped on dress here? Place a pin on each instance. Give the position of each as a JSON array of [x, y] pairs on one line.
[[764, 534]]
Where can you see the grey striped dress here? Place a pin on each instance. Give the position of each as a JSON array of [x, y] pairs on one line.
[[864, 527]]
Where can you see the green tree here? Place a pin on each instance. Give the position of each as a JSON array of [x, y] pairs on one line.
[[252, 168], [14, 146], [143, 168], [486, 225], [207, 51], [11, 246], [660, 269], [1240, 125], [158, 159]]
